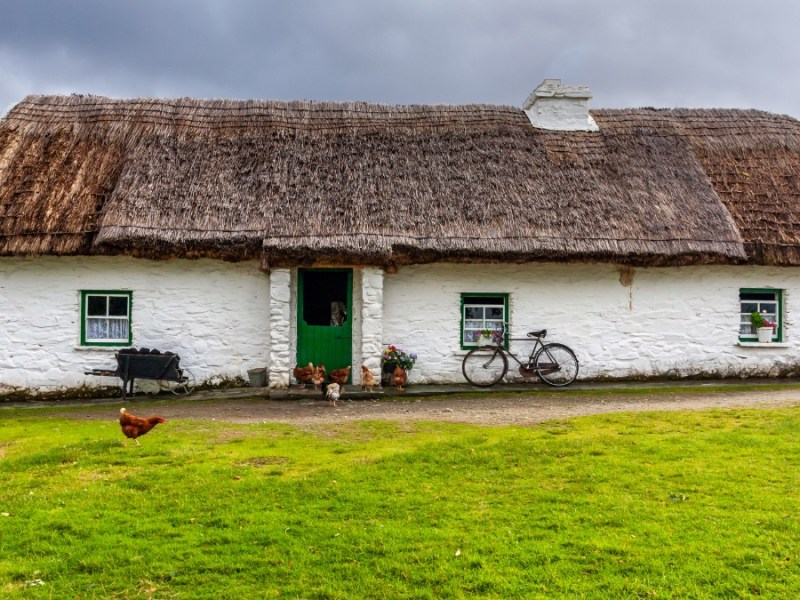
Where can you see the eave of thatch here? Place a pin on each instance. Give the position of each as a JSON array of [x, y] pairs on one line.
[[304, 183]]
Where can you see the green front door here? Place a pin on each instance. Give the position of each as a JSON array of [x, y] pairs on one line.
[[324, 318]]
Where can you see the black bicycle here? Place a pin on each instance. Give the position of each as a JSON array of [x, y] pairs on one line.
[[553, 363]]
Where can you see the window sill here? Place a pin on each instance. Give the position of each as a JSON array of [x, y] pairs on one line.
[[763, 344], [98, 348]]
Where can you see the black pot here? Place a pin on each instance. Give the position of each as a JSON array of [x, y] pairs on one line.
[[386, 373]]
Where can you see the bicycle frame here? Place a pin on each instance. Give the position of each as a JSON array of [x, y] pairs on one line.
[[549, 367], [537, 343]]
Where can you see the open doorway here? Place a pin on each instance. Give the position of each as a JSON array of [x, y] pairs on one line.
[[324, 317]]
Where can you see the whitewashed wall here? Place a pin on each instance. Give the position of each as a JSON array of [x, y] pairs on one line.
[[223, 318], [668, 321], [214, 314]]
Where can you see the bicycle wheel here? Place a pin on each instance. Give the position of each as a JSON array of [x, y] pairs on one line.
[[484, 366], [556, 365]]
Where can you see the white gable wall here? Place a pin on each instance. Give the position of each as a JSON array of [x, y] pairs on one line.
[[668, 321], [214, 314]]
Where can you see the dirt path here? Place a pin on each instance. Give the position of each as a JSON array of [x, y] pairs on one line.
[[486, 410]]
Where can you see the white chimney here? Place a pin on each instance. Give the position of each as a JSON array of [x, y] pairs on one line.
[[560, 107]]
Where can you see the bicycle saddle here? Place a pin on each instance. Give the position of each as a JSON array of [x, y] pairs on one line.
[[540, 333]]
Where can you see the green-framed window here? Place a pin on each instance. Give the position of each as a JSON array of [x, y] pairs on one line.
[[481, 311], [768, 302], [106, 318]]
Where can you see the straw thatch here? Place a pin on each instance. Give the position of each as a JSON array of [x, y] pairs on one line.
[[356, 183], [753, 161]]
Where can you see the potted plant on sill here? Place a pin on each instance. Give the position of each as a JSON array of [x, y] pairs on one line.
[[764, 329], [485, 337]]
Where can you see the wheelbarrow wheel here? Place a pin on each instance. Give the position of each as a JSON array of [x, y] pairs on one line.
[[183, 386]]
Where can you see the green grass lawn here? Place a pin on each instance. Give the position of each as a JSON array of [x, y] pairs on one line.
[[655, 505]]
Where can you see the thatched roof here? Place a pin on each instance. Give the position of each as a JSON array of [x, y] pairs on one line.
[[753, 161], [356, 183]]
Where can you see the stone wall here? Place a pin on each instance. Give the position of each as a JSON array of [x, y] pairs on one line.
[[621, 322], [213, 314], [281, 332], [371, 327], [226, 318]]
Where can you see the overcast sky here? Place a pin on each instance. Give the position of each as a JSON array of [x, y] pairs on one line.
[[631, 53]]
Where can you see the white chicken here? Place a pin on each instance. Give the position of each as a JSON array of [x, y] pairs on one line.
[[332, 393]]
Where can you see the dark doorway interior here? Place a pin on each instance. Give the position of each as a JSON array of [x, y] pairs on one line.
[[325, 297]]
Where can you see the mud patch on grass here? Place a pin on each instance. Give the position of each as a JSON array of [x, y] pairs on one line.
[[264, 461]]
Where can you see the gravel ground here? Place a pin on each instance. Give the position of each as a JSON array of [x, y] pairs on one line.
[[512, 409]]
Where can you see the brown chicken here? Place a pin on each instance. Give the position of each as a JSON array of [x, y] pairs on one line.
[[318, 378], [133, 427], [399, 378], [339, 375], [304, 374], [367, 379]]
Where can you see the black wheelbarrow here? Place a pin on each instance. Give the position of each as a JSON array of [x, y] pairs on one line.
[[163, 367]]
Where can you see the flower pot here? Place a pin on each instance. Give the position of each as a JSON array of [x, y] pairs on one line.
[[485, 340], [386, 374], [764, 334]]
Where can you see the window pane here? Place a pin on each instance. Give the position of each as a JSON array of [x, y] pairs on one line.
[[117, 329], [473, 324], [486, 300], [768, 307], [473, 312], [495, 313], [757, 295], [97, 329], [118, 306], [96, 306], [748, 307]]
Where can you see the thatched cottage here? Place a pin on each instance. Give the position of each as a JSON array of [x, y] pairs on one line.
[[244, 234]]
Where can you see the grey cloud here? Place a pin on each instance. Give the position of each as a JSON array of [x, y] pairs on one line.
[[728, 53]]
